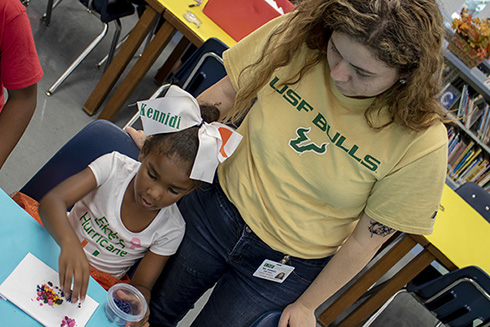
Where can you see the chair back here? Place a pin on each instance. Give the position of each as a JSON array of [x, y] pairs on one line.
[[459, 298], [97, 138], [476, 197], [268, 319], [203, 68], [110, 10]]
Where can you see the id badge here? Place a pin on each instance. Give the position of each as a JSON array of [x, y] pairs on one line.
[[273, 271]]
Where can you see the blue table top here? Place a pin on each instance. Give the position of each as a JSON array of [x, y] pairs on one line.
[[20, 234]]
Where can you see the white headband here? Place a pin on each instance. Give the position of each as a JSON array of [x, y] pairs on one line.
[[178, 110]]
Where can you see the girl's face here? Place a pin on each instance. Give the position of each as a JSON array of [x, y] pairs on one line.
[[356, 72], [160, 182]]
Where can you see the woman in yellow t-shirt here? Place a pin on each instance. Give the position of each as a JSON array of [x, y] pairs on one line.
[[343, 144]]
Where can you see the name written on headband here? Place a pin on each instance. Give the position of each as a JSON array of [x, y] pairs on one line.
[[161, 117]]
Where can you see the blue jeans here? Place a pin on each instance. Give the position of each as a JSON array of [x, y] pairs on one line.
[[220, 250]]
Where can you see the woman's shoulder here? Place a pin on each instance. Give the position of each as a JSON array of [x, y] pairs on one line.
[[431, 139]]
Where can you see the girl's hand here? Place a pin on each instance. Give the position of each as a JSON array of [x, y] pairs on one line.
[[297, 315], [142, 323], [73, 266], [135, 303]]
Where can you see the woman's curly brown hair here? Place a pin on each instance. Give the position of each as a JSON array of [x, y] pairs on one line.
[[405, 34]]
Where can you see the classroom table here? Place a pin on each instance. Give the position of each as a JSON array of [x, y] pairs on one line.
[[173, 13], [460, 238], [21, 234]]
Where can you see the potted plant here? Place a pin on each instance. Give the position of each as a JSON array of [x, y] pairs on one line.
[[471, 40]]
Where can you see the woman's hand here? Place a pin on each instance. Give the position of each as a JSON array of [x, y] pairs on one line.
[[73, 265], [138, 136], [297, 315]]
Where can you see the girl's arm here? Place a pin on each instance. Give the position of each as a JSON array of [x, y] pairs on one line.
[[355, 253], [144, 278], [72, 263], [221, 95]]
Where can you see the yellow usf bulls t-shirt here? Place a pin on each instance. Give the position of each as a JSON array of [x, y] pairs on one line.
[[309, 165]]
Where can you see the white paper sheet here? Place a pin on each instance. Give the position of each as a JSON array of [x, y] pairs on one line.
[[20, 287], [274, 5]]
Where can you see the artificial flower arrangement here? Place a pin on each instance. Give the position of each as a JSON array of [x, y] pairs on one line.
[[475, 31]]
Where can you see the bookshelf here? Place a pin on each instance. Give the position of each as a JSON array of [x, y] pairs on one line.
[[469, 138]]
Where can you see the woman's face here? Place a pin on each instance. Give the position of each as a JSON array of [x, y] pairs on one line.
[[356, 72]]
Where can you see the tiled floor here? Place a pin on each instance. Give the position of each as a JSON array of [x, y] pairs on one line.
[[60, 116]]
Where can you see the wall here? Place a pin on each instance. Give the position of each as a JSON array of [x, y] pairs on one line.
[[450, 6]]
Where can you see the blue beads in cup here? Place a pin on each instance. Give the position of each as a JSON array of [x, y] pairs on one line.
[[125, 303]]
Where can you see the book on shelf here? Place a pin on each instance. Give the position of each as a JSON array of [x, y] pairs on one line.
[[469, 167], [483, 168], [484, 181], [470, 160], [464, 152], [449, 96], [483, 130], [463, 103]]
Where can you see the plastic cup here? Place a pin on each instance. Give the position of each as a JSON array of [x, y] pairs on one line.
[[124, 297]]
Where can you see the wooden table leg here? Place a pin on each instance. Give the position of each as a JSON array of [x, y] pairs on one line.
[[139, 70], [361, 285], [121, 60], [397, 282], [364, 282], [170, 63]]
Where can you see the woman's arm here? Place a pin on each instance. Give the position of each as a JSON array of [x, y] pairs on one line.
[[144, 278], [72, 263], [355, 253], [221, 95]]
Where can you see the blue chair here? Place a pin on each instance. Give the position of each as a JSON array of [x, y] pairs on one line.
[[107, 11], [203, 68], [97, 138], [476, 197], [268, 319], [460, 298]]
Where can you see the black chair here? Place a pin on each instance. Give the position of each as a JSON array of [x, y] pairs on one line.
[[460, 298], [107, 11], [97, 138], [476, 197], [268, 319]]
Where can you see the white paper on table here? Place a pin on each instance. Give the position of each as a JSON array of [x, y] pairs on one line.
[[20, 288], [275, 6]]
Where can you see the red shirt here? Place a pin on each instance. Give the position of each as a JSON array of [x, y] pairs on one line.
[[19, 64]]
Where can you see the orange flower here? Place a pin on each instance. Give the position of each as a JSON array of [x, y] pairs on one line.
[[475, 31]]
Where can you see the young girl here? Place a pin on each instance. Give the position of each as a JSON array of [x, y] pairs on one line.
[[125, 210]]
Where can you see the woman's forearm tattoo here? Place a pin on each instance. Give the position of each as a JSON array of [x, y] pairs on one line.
[[379, 229]]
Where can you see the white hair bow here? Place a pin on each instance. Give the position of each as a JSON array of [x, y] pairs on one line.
[[179, 110]]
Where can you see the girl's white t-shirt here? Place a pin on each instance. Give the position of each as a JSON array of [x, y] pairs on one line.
[[96, 219]]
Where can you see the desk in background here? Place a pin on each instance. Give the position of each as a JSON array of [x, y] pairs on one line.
[[173, 13], [460, 238], [20, 234]]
